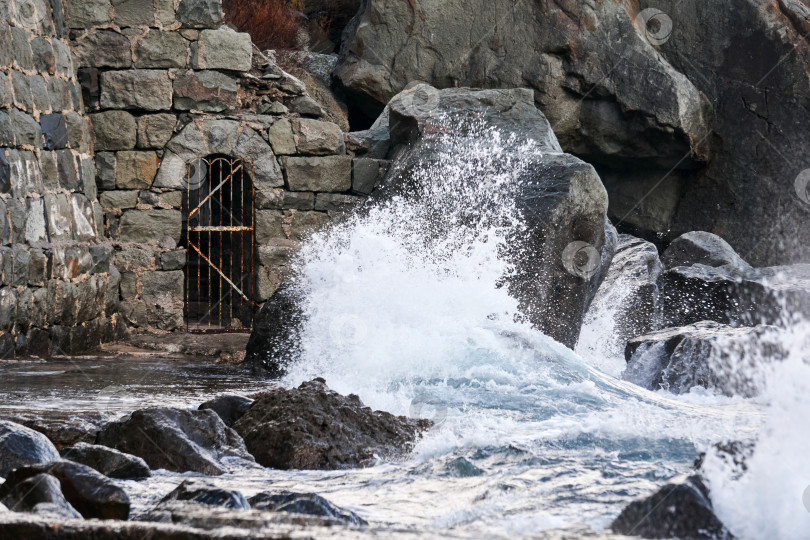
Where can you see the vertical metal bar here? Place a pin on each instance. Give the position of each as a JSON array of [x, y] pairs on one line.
[[230, 258], [208, 204], [219, 239], [187, 272]]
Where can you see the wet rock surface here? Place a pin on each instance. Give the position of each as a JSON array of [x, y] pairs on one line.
[[176, 440], [92, 494], [680, 509], [202, 492], [304, 503], [108, 461], [274, 341], [40, 494], [313, 427], [21, 446], [229, 407]]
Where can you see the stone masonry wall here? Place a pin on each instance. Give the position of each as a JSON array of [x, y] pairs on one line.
[[59, 290]]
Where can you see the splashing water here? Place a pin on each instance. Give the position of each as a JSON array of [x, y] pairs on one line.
[[404, 307]]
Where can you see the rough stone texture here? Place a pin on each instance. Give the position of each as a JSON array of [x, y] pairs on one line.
[[155, 130], [680, 509], [304, 503], [222, 49], [118, 199], [40, 494], [274, 341], [136, 89], [229, 407], [176, 440], [700, 247], [149, 225], [21, 446], [207, 91], [331, 173], [281, 137], [203, 492], [105, 48], [367, 174], [200, 13], [161, 49], [135, 170], [108, 461], [114, 130], [706, 354], [284, 429], [317, 138], [92, 494]]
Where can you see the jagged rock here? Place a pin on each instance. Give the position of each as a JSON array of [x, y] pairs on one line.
[[40, 494], [706, 354], [680, 509], [229, 407], [176, 440], [108, 461], [304, 503], [705, 248], [92, 494], [274, 341], [203, 492], [285, 429], [20, 446]]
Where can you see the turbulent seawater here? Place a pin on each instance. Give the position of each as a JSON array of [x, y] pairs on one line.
[[406, 310]]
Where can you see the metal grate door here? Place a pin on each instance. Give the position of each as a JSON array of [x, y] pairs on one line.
[[219, 239]]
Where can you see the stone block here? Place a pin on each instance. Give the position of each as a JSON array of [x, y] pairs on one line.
[[135, 258], [161, 49], [306, 106], [336, 202], [297, 200], [44, 60], [189, 143], [84, 218], [26, 176], [54, 131], [114, 130], [277, 252], [16, 262], [164, 11], [5, 224], [367, 174], [173, 260], [59, 216], [129, 286], [87, 176], [6, 43], [87, 13], [70, 262], [39, 94], [38, 268], [266, 172], [6, 130], [49, 169], [105, 170], [102, 257], [172, 172], [87, 306], [59, 92], [16, 216], [150, 225], [269, 226], [200, 13], [267, 282], [66, 170], [135, 169], [146, 89], [281, 137], [91, 89], [327, 174], [155, 130], [23, 55], [221, 135], [21, 87], [207, 91], [26, 130], [78, 132], [6, 92], [171, 199], [104, 48], [62, 57], [305, 224], [317, 138], [222, 49], [133, 13], [118, 200], [8, 309], [35, 228]]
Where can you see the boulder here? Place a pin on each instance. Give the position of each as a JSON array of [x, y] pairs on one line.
[[705, 248], [706, 354], [21, 446], [40, 494], [288, 429], [176, 440], [229, 407], [304, 503], [92, 494], [204, 492], [274, 340], [680, 509], [108, 461], [629, 294]]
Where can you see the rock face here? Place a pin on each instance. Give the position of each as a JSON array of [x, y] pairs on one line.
[[312, 427], [229, 407], [176, 440], [108, 461], [274, 341], [675, 140], [706, 354], [20, 446], [92, 494], [40, 494], [700, 247], [304, 503], [680, 509]]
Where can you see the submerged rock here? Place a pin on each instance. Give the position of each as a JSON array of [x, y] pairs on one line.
[[680, 509], [176, 440], [91, 493], [20, 446], [229, 407], [203, 492], [40, 494], [304, 503], [706, 354], [108, 461], [312, 427]]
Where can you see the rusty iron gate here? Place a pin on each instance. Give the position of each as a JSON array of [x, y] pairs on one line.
[[219, 240]]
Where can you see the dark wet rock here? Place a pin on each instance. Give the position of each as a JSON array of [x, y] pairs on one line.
[[203, 492], [274, 341], [630, 291], [734, 454], [705, 248], [20, 446], [108, 461], [176, 440], [91, 493], [707, 354], [312, 427], [229, 407], [463, 468], [63, 428], [309, 504], [40, 494], [680, 509]]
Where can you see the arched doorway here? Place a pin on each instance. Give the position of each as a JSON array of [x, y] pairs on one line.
[[218, 234]]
